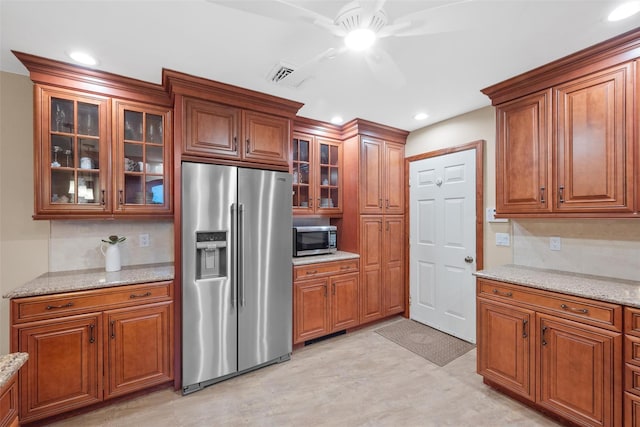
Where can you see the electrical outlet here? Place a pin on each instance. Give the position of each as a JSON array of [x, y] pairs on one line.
[[143, 240], [502, 239], [490, 216], [555, 243]]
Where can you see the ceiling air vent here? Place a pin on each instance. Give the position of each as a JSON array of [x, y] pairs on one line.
[[283, 74]]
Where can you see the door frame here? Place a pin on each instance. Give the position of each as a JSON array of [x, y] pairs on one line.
[[475, 145]]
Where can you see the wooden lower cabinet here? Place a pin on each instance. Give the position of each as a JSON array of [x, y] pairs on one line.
[[81, 354], [9, 403], [382, 266], [138, 348], [631, 410], [546, 348], [507, 327], [325, 304]]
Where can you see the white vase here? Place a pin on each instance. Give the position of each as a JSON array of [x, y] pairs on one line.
[[111, 257]]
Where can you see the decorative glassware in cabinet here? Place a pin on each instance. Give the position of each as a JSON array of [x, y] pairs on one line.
[[143, 162], [301, 178], [329, 173], [74, 143]]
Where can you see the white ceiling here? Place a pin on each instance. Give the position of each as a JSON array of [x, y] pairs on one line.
[[469, 46]]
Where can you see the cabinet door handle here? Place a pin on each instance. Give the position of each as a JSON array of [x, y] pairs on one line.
[[310, 202], [235, 143], [575, 310], [248, 143], [113, 329], [311, 272], [120, 198], [541, 194], [503, 294], [345, 267], [525, 322], [561, 194], [544, 329], [102, 199], [51, 307], [325, 291], [146, 294], [92, 337]]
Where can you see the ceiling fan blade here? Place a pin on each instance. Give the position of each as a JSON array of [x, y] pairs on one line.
[[384, 68], [307, 70]]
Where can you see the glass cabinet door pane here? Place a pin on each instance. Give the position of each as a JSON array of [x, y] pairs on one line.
[[89, 153], [333, 155], [324, 154], [133, 125], [62, 114], [87, 119], [154, 190], [154, 129], [88, 188], [153, 159], [63, 186], [61, 151], [304, 151]]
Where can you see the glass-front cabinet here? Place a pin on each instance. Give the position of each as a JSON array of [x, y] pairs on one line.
[[316, 169], [73, 164], [96, 156], [141, 157]]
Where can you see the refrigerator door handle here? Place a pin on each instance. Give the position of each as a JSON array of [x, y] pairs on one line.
[[241, 253], [234, 272]]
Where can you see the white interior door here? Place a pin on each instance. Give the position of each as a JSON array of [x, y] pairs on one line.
[[443, 243]]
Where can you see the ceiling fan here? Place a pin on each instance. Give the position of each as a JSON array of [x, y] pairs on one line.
[[359, 23]]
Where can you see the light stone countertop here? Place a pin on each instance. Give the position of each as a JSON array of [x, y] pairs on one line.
[[10, 364], [608, 289], [312, 259], [80, 280]]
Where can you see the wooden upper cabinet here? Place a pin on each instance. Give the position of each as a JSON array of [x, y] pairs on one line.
[[317, 175], [381, 177], [142, 159], [72, 169], [594, 142], [226, 132], [266, 138], [523, 177], [210, 129], [567, 135]]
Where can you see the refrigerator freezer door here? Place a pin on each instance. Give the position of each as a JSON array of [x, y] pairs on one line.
[[209, 315], [264, 267]]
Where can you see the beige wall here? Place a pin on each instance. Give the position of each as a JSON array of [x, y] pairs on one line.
[[24, 243], [478, 124]]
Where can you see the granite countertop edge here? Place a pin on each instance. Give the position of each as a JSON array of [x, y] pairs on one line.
[[601, 288], [314, 259], [80, 280], [10, 364]]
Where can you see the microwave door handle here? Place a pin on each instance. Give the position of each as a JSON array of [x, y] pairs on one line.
[[241, 253]]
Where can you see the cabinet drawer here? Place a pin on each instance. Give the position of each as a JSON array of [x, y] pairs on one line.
[[632, 379], [632, 321], [632, 350], [50, 306], [325, 269], [588, 311]]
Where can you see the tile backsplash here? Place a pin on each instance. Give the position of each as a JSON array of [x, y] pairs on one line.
[[600, 247], [75, 245]]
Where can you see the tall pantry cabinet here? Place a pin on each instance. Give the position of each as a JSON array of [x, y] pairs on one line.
[[373, 221]]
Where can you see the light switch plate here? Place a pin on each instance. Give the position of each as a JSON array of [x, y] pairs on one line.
[[491, 216], [143, 240], [503, 239]]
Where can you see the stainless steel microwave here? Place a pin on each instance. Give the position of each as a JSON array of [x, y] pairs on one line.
[[314, 240]]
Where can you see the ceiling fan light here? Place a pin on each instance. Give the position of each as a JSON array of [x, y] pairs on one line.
[[624, 11], [360, 39]]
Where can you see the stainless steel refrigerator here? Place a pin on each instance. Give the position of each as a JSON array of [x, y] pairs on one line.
[[236, 271]]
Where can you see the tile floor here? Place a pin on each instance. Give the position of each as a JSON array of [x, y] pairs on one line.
[[357, 379]]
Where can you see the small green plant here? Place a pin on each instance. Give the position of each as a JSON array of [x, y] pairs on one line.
[[113, 240]]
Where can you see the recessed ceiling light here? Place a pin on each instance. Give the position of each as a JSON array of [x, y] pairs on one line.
[[336, 120], [83, 58], [625, 10], [421, 116], [360, 39]]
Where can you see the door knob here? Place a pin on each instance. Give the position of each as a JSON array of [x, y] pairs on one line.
[[468, 259]]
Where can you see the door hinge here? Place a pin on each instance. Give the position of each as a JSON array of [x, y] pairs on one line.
[[409, 299]]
